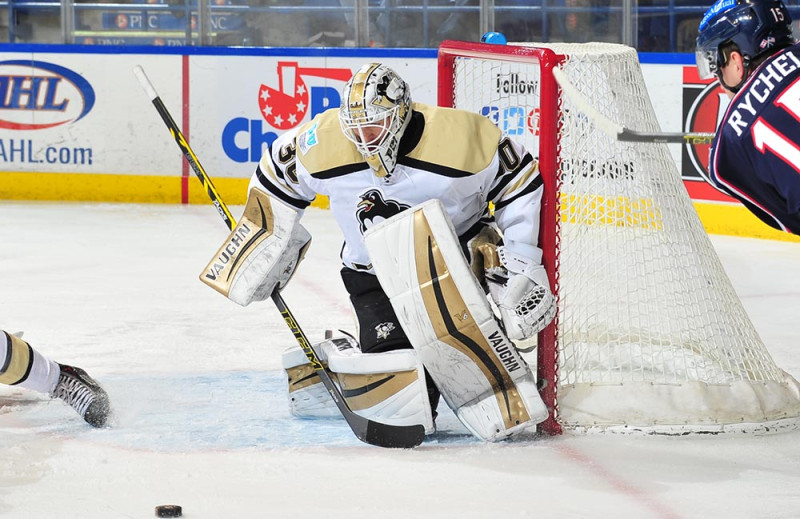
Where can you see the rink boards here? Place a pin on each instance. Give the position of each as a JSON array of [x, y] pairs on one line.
[[76, 125]]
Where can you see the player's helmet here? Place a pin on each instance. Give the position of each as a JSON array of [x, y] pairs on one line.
[[756, 26], [376, 109]]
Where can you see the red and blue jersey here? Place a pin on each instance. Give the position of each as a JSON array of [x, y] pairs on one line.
[[755, 156]]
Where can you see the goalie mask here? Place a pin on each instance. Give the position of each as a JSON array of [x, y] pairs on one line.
[[375, 112]]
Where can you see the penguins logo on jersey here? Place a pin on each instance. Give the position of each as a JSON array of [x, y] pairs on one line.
[[374, 209]]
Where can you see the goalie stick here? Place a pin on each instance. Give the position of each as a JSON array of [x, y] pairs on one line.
[[617, 131], [368, 431]]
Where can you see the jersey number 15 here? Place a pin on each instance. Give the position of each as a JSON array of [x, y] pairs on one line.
[[765, 137]]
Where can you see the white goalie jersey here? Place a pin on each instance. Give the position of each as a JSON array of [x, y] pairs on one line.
[[457, 157]]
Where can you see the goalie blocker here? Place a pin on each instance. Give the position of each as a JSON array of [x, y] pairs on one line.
[[260, 254], [450, 324]]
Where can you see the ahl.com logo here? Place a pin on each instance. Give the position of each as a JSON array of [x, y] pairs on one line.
[[282, 108], [35, 95]]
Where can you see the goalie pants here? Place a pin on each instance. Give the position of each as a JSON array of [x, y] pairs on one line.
[[379, 330]]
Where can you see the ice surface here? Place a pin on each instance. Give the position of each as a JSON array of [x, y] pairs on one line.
[[199, 398]]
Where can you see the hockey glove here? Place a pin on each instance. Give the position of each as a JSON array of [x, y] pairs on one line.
[[521, 291], [261, 253]]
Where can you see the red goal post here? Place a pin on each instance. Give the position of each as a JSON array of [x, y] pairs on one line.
[[545, 59]]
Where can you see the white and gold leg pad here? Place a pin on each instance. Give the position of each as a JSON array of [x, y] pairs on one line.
[[308, 397], [384, 387], [448, 319]]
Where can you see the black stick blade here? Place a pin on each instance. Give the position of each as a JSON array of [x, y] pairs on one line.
[[392, 436]]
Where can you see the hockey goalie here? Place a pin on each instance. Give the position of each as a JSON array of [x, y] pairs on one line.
[[440, 285]]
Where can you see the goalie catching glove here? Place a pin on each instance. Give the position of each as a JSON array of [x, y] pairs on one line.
[[520, 289], [260, 254]]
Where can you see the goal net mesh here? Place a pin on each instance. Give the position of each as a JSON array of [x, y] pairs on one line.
[[651, 335]]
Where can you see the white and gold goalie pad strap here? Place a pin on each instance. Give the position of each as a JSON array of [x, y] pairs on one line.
[[449, 321], [386, 387], [260, 254]]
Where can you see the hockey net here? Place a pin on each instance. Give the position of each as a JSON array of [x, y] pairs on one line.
[[649, 335]]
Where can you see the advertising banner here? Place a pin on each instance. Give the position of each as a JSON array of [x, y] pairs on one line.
[[66, 113], [240, 104], [704, 104], [76, 125]]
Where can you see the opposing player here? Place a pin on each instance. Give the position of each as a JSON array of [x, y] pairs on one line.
[[410, 187], [755, 156], [22, 366]]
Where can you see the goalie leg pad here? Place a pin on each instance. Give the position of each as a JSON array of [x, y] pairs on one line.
[[384, 387], [308, 397], [387, 387], [449, 321], [260, 254]]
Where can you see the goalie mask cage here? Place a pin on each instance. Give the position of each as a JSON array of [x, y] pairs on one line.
[[649, 335]]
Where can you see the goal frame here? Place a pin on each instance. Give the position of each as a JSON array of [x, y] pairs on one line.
[[655, 345], [449, 50]]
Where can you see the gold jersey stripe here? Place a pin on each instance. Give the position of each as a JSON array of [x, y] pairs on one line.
[[317, 159], [470, 140], [521, 182], [267, 169]]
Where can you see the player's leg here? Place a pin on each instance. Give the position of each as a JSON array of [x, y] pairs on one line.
[[378, 327], [447, 317], [380, 375], [21, 365], [387, 387], [308, 397]]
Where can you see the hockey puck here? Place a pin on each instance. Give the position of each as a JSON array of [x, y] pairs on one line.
[[169, 511]]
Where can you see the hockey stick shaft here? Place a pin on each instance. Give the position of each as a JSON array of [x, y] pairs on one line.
[[366, 430], [191, 158], [617, 131]]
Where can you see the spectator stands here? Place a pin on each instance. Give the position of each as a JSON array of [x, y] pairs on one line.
[[658, 25]]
